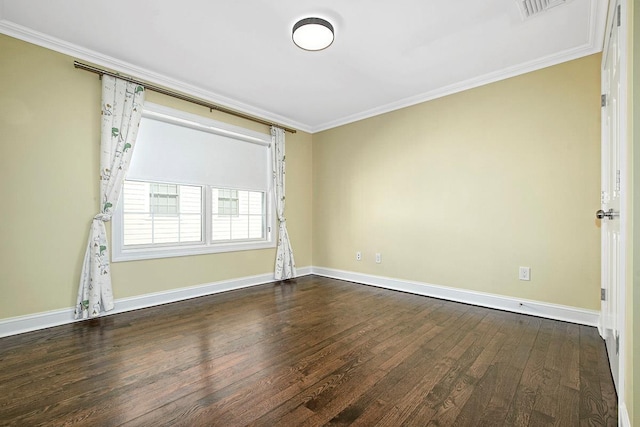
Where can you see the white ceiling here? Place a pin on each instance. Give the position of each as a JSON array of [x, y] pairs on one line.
[[386, 54]]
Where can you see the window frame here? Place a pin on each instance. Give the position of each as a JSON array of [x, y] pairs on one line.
[[153, 216], [207, 246], [265, 225]]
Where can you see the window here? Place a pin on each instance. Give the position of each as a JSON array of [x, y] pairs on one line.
[[194, 186], [237, 215], [164, 199], [150, 216], [227, 201]]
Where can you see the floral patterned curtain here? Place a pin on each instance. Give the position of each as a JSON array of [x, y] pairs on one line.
[[121, 112], [285, 264]]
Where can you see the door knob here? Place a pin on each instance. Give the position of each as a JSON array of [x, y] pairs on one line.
[[610, 214]]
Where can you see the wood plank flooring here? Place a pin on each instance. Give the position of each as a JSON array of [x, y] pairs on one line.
[[308, 352]]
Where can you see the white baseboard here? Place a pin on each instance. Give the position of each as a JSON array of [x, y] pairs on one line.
[[21, 324], [516, 305], [601, 329], [48, 319], [623, 416]]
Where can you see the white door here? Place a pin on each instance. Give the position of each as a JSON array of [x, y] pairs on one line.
[[612, 250]]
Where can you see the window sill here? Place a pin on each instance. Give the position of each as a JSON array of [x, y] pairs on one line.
[[178, 251]]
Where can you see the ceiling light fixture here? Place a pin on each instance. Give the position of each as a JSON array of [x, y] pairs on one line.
[[312, 34]]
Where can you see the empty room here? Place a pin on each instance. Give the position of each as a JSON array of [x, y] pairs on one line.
[[304, 213]]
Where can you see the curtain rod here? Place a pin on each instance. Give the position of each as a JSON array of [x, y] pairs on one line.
[[178, 95]]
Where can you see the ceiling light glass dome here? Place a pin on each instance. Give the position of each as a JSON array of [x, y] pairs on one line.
[[313, 34]]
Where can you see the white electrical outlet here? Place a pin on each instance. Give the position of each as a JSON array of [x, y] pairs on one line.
[[378, 258], [524, 273], [358, 256]]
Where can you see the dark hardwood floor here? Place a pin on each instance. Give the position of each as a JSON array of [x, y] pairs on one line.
[[313, 351]]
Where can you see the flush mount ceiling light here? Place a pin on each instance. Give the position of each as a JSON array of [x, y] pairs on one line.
[[313, 34]]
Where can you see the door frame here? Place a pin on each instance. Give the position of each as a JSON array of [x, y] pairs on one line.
[[624, 181]]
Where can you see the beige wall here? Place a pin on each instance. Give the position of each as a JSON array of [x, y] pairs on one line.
[[462, 190], [49, 139], [458, 191]]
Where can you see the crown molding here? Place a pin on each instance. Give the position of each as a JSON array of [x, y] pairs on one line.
[[475, 82], [597, 24], [43, 40]]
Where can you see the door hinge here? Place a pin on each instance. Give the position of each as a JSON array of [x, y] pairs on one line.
[[619, 16], [603, 100], [617, 344], [618, 180], [603, 294]]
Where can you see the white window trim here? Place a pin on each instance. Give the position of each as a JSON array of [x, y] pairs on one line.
[[158, 112]]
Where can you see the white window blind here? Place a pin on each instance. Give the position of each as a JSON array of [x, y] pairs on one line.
[[191, 153]]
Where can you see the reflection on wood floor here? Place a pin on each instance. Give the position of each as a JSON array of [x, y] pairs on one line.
[[312, 351]]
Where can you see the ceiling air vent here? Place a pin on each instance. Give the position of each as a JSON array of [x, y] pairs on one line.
[[531, 8]]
